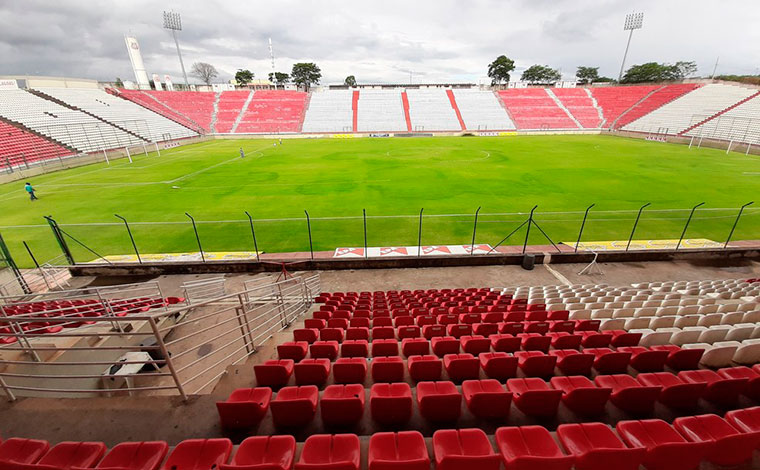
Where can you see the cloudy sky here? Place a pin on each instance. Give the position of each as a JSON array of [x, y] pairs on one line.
[[377, 41]]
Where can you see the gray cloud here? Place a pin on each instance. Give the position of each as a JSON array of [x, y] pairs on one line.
[[443, 40]]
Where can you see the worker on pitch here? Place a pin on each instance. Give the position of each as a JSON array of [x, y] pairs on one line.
[[29, 189], [242, 153]]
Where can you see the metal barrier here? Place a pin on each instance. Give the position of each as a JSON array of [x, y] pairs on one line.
[[204, 289], [181, 349]]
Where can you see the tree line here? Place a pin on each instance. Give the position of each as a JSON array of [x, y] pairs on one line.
[[303, 74]]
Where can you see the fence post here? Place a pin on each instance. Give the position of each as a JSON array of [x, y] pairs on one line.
[[197, 238], [736, 222], [59, 238], [253, 234], [308, 227], [167, 357], [364, 215], [131, 238], [474, 229], [527, 232], [37, 265], [635, 224], [419, 235], [583, 224], [688, 221]]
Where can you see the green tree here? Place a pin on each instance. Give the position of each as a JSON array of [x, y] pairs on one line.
[[279, 78], [350, 81], [541, 74], [587, 75], [118, 83], [499, 69], [243, 77], [686, 69], [650, 72], [305, 74]]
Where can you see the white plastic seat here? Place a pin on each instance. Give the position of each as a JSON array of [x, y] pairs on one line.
[[740, 332], [687, 335], [662, 322], [717, 355], [751, 317], [636, 323], [686, 320], [653, 338], [714, 334], [626, 312], [580, 314], [748, 352], [705, 309], [667, 311], [645, 312], [732, 318], [601, 313], [688, 310], [726, 308], [613, 324]]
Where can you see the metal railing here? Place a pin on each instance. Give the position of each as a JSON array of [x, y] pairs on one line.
[[183, 349]]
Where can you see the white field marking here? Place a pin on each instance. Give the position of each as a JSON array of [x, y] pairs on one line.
[[751, 173], [195, 173], [358, 217], [488, 155]]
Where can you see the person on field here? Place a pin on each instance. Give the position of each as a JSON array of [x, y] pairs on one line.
[[242, 153], [29, 189]]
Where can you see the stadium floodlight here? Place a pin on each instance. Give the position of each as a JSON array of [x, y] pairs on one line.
[[633, 21], [173, 22]]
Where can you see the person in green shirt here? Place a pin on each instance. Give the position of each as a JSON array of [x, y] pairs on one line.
[[29, 189]]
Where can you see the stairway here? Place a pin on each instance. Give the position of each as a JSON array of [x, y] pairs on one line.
[[355, 108], [217, 95], [563, 108], [453, 101], [242, 113], [690, 128], [405, 101]]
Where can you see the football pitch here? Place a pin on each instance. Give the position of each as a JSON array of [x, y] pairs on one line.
[[392, 179]]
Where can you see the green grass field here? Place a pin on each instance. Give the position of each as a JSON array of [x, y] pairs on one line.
[[390, 178]]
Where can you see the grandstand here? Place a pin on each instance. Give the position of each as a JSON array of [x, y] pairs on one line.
[[189, 108], [273, 112], [481, 110], [330, 111], [432, 110], [21, 147], [382, 111], [535, 108]]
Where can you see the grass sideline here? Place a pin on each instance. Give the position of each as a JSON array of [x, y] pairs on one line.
[[334, 179]]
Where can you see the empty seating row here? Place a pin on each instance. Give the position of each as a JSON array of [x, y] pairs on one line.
[[659, 97], [190, 108], [431, 110], [229, 106], [329, 111], [273, 111], [482, 111], [19, 148], [533, 108], [380, 111], [581, 105]]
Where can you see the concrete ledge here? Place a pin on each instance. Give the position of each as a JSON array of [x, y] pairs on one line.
[[327, 264]]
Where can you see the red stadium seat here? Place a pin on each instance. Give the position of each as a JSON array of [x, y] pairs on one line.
[[264, 453], [336, 452], [350, 370], [681, 359], [596, 447], [458, 449], [356, 332], [425, 367], [324, 349], [729, 446], [66, 455], [244, 408], [294, 406], [596, 339], [461, 367], [383, 332], [486, 398], [314, 323], [295, 350], [675, 392], [485, 329], [607, 361], [312, 371], [22, 451], [459, 330], [443, 345], [498, 365], [581, 395], [306, 334], [666, 449], [645, 359], [534, 342], [475, 344], [342, 404], [572, 362], [746, 420], [511, 328], [534, 397], [354, 348], [387, 369], [405, 450], [530, 448], [540, 327], [439, 401], [391, 403], [332, 334], [622, 338], [564, 340], [628, 394], [562, 326], [432, 331], [409, 332], [384, 347], [752, 384], [505, 343], [536, 363], [721, 391], [415, 347], [135, 456]]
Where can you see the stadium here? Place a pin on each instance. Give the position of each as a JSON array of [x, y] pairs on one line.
[[523, 271]]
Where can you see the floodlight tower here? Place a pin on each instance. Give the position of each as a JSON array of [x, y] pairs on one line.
[[173, 22], [632, 21], [271, 55]]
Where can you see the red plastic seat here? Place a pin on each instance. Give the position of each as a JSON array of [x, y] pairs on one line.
[[295, 350], [461, 367], [22, 451], [66, 455], [581, 395], [563, 326], [294, 406], [485, 329], [391, 403], [312, 371], [511, 328], [415, 347], [350, 370], [563, 340], [459, 449], [387, 369], [135, 456], [680, 359], [384, 347], [306, 334], [596, 339], [324, 349], [342, 404], [607, 361], [729, 446], [405, 450], [720, 390], [354, 348], [425, 367], [645, 359], [498, 365], [534, 342], [572, 362], [314, 323], [536, 363], [752, 384], [432, 331], [534, 397], [505, 343], [475, 344], [628, 394], [486, 398], [331, 334], [264, 453], [666, 448], [596, 447], [244, 408], [439, 401], [675, 392], [622, 338], [530, 448], [459, 330], [336, 452], [745, 420], [409, 332], [383, 332], [539, 327]]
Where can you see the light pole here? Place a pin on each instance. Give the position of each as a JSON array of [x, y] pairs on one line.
[[632, 21], [173, 22]]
